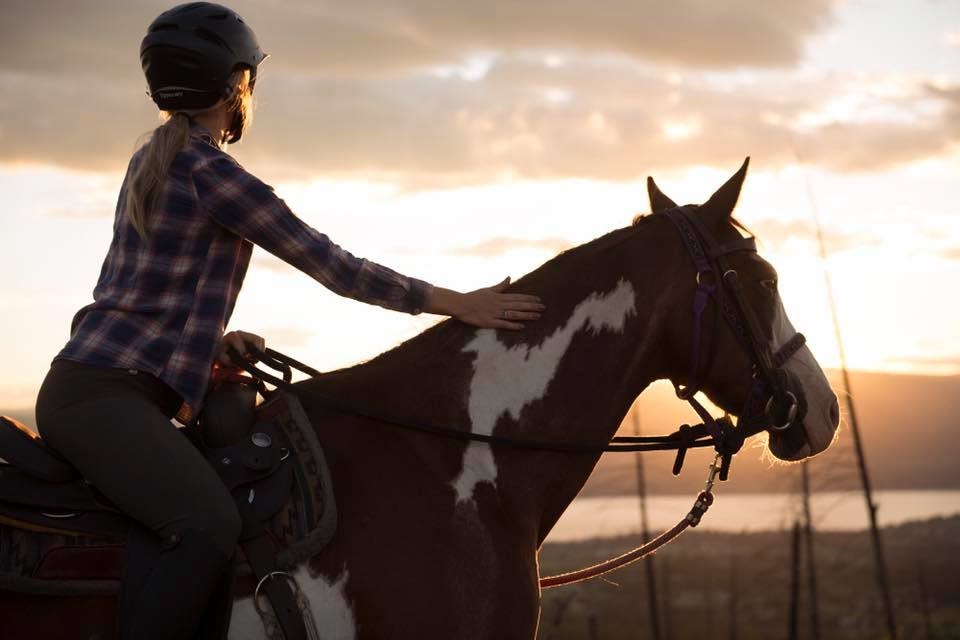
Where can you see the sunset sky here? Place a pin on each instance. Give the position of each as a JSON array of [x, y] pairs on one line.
[[462, 141]]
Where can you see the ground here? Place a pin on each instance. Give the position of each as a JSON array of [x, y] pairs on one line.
[[923, 562]]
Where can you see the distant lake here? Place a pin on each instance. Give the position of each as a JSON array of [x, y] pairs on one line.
[[608, 516]]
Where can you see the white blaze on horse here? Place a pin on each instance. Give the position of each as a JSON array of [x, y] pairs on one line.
[[438, 538]]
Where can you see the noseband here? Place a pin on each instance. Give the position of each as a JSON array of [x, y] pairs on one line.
[[770, 404]]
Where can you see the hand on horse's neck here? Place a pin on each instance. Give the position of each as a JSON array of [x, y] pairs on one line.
[[573, 385]]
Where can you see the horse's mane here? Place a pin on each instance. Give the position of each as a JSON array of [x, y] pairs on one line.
[[447, 337], [733, 220], [449, 334]]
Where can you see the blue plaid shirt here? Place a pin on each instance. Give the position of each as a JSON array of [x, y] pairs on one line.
[[161, 305]]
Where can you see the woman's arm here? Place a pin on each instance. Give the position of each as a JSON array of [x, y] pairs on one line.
[[243, 204], [248, 207]]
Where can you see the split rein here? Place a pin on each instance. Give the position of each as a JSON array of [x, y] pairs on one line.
[[719, 433]]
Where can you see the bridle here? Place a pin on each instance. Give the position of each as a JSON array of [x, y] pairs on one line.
[[770, 403]]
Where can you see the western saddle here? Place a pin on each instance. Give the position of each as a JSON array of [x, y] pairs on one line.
[[60, 536]]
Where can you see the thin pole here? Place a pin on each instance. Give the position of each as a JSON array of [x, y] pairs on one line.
[[561, 609], [794, 581], [593, 627], [667, 609], [811, 563], [924, 603], [879, 560], [733, 596], [645, 533]]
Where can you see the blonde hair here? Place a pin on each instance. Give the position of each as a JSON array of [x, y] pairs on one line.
[[168, 139]]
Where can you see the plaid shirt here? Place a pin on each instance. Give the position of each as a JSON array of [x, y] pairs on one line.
[[161, 305]]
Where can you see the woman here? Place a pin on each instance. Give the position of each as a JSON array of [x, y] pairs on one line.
[[186, 221]]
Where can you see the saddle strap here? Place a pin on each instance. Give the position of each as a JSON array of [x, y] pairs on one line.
[[261, 555]]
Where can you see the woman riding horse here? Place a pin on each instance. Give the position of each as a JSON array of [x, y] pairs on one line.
[[187, 217]]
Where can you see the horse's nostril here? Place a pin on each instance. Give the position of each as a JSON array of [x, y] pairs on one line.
[[835, 413]]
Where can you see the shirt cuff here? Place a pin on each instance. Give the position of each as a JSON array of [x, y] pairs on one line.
[[417, 296]]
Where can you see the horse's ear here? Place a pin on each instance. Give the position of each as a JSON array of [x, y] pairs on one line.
[[725, 199], [658, 201]]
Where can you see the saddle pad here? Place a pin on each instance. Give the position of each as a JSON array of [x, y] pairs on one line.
[[64, 563], [308, 521], [59, 564]]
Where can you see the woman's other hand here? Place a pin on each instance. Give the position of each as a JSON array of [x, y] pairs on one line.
[[488, 307], [238, 340]]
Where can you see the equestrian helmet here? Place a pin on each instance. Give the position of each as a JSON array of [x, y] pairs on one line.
[[190, 51]]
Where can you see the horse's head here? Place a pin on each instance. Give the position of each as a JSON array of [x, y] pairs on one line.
[[741, 350]]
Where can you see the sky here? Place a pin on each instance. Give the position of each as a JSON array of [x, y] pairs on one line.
[[461, 142]]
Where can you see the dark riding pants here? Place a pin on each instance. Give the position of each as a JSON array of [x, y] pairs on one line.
[[114, 426]]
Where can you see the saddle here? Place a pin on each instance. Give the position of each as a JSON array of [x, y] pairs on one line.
[[60, 536]]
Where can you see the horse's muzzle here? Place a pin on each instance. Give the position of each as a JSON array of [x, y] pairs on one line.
[[786, 411]]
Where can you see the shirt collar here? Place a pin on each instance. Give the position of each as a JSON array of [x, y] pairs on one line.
[[200, 132]]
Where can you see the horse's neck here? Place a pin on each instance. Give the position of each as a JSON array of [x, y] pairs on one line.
[[568, 378], [573, 387]]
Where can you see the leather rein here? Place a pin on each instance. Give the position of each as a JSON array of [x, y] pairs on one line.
[[769, 404]]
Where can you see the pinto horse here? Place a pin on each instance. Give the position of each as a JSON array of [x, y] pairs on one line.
[[439, 538]]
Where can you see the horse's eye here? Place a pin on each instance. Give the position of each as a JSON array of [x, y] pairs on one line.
[[770, 286]]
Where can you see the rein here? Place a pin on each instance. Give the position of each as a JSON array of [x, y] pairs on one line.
[[730, 438], [716, 282]]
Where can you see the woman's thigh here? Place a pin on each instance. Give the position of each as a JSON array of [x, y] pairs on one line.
[[125, 446]]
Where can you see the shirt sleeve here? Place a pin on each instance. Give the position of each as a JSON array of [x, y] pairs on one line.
[[242, 203]]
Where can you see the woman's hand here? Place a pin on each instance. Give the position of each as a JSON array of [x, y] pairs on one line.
[[238, 340], [488, 307]]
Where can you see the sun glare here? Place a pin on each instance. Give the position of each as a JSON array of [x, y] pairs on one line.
[[680, 129]]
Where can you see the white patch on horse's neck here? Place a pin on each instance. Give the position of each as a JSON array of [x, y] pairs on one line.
[[328, 605], [505, 380]]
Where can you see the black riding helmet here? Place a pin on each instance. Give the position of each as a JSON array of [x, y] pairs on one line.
[[190, 51]]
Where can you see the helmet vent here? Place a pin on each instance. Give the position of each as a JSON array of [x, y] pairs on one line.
[[210, 36]]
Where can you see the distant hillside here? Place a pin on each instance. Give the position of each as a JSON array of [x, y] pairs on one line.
[[909, 426]]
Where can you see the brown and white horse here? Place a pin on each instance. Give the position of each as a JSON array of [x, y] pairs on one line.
[[438, 539]]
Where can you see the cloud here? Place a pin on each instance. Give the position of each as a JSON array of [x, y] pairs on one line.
[[951, 253], [778, 232], [504, 244], [855, 146], [949, 95], [383, 36], [565, 89]]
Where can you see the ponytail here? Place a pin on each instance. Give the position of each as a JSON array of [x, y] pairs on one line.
[[148, 178], [167, 140]]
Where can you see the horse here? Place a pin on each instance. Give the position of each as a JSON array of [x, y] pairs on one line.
[[439, 538]]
